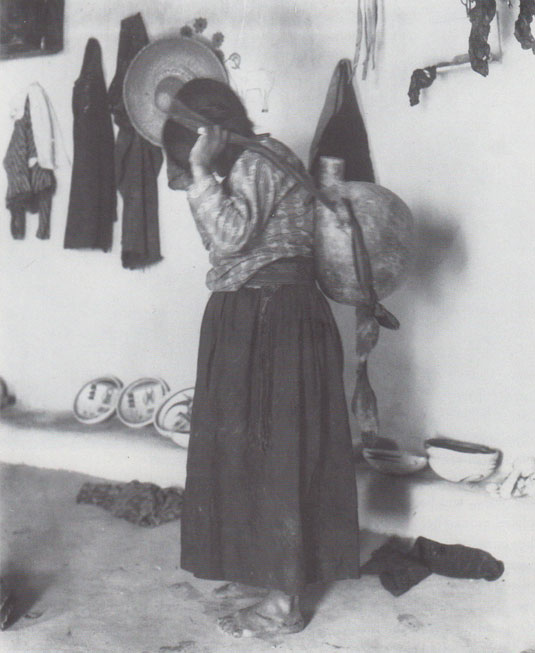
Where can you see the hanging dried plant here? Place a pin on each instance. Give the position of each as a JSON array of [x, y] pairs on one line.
[[199, 25], [217, 39], [421, 78], [523, 25], [195, 30], [481, 15]]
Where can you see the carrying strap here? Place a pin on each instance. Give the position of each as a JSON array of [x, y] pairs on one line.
[[193, 121]]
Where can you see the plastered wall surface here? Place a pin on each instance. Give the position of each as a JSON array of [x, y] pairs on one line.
[[463, 160]]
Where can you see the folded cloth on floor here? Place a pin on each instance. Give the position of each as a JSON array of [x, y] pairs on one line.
[[144, 504], [456, 560], [397, 570], [400, 568]]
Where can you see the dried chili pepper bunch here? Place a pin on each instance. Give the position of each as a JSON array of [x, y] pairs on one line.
[[481, 14]]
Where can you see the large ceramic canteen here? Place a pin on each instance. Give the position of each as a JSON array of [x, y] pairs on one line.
[[388, 230]]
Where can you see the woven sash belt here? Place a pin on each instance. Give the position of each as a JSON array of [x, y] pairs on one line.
[[298, 269]]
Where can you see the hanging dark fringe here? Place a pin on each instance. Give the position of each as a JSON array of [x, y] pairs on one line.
[[481, 16], [523, 25]]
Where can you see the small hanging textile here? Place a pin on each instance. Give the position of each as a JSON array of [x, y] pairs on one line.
[[341, 132], [92, 203], [30, 186], [137, 162]]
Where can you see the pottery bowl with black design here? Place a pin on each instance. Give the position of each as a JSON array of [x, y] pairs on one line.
[[393, 461]]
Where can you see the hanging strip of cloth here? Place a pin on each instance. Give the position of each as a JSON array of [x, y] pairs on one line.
[[137, 162]]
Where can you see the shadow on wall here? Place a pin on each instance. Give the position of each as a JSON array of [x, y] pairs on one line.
[[440, 250], [399, 386]]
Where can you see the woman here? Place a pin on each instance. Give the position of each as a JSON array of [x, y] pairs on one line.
[[270, 497]]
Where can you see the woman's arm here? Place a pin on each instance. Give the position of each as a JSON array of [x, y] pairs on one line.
[[228, 221]]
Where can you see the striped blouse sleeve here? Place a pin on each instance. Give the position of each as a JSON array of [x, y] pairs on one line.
[[228, 221]]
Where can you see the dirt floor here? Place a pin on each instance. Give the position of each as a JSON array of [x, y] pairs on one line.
[[87, 581]]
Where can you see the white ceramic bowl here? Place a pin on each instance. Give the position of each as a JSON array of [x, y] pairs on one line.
[[96, 401], [138, 401], [391, 461], [461, 462], [173, 415]]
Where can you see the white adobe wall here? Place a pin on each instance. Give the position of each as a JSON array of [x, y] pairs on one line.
[[463, 363]]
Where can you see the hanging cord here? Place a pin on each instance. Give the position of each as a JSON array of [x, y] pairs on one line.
[[358, 42], [194, 121], [367, 23]]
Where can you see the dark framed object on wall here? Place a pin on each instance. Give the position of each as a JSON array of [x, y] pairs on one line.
[[30, 28]]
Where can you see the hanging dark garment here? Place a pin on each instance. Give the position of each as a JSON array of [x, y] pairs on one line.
[[137, 162], [29, 186], [93, 199], [341, 131]]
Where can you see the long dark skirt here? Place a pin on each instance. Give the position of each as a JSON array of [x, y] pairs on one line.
[[270, 497]]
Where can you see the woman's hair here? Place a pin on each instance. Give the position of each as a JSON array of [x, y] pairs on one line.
[[215, 101]]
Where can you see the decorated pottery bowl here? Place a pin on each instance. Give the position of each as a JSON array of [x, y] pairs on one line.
[[96, 401], [138, 401], [173, 416], [396, 462], [461, 462]]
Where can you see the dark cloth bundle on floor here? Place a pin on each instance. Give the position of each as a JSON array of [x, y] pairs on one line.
[[397, 570], [29, 186], [137, 162], [341, 131], [93, 197], [400, 568], [144, 504]]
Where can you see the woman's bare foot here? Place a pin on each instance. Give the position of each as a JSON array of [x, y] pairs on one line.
[[277, 614]]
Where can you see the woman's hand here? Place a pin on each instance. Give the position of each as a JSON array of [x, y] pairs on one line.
[[208, 147]]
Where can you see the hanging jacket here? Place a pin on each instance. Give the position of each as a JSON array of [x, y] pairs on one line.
[[137, 162], [92, 202], [50, 146], [341, 132], [30, 187]]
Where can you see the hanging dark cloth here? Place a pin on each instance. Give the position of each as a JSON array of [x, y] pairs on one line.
[[29, 186], [92, 203], [341, 131], [137, 162]]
